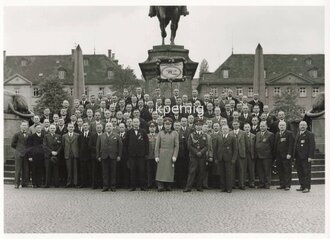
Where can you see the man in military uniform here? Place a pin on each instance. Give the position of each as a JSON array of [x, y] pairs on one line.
[[198, 148], [304, 147]]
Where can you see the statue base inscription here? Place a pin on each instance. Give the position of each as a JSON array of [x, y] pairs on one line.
[[150, 72]]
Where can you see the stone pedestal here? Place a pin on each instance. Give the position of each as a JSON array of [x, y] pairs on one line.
[[149, 69], [11, 126], [318, 128]]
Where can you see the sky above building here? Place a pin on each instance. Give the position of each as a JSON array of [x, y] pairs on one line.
[[209, 32]]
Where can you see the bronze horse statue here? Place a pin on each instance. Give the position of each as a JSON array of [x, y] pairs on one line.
[[167, 14]]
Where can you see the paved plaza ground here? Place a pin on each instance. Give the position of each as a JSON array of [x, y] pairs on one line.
[[85, 210]]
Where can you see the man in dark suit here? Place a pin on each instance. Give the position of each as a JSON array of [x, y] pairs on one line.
[[240, 166], [227, 113], [245, 117], [226, 154], [19, 143], [256, 101], [35, 154], [52, 146], [230, 97], [283, 151], [264, 155], [84, 100], [143, 123], [182, 162], [280, 118], [122, 169], [137, 142], [96, 165], [46, 115], [198, 146], [126, 97], [304, 148], [85, 161], [108, 151], [255, 125], [250, 160], [70, 146], [93, 104], [176, 94]]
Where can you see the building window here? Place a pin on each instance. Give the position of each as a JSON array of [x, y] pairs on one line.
[[266, 91], [225, 89], [250, 92], [101, 89], [71, 91], [85, 62], [316, 91], [289, 90], [36, 92], [86, 91], [308, 61], [277, 91], [215, 92], [61, 74], [225, 73], [16, 91], [302, 92], [313, 73], [110, 74], [239, 91], [23, 62]]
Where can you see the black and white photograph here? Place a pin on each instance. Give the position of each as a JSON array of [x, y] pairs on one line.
[[160, 118]]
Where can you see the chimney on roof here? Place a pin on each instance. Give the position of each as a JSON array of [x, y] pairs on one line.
[[113, 56], [4, 57], [109, 53]]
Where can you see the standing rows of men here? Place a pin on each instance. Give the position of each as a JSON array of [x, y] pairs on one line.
[[109, 141]]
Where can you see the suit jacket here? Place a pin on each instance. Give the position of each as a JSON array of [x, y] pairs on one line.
[[19, 143], [92, 145], [84, 103], [208, 114], [52, 143], [245, 120], [61, 132], [226, 148], [93, 107], [70, 145], [251, 145], [138, 145], [183, 142], [152, 143], [35, 149], [198, 143], [145, 114], [264, 145], [242, 143], [283, 144], [304, 145], [255, 131], [109, 146], [84, 152]]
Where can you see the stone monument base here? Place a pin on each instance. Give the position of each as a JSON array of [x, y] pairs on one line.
[[11, 126], [149, 69], [318, 128]]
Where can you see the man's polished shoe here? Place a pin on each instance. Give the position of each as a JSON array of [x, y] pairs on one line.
[[281, 187], [300, 189], [81, 186], [144, 189], [105, 189], [252, 186], [161, 189], [17, 186], [68, 186], [242, 188], [306, 190], [34, 186], [168, 189], [261, 186], [199, 189], [132, 189], [187, 190], [286, 188], [267, 187], [46, 186], [113, 189], [229, 191], [24, 186], [224, 190], [206, 187]]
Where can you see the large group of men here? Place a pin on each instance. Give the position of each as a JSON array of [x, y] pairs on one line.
[[108, 142]]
